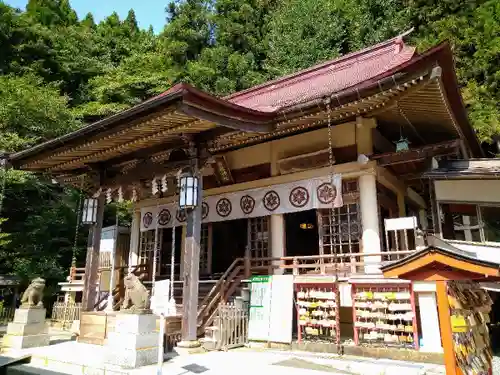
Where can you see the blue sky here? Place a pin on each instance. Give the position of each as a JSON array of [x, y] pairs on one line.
[[148, 12]]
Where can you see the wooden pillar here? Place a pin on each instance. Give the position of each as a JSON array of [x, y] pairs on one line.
[[445, 325], [92, 262], [401, 204], [364, 135], [183, 244], [191, 274], [277, 241]]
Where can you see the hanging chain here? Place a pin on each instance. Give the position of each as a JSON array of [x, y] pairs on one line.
[[77, 226], [337, 286]]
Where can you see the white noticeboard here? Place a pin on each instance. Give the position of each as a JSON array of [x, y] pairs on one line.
[[260, 308], [160, 299], [281, 317], [271, 309], [107, 241]]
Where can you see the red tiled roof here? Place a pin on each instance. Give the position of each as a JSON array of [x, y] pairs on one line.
[[326, 78]]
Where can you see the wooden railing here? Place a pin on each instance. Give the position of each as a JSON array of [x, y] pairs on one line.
[[342, 265], [6, 314], [76, 274], [63, 312]]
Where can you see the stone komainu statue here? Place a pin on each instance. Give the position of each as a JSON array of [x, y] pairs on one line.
[[136, 295], [33, 295]]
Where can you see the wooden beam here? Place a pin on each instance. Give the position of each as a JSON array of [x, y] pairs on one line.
[[128, 125], [390, 181], [144, 153], [416, 198], [222, 171], [381, 143], [430, 77], [232, 123], [348, 170], [418, 154]]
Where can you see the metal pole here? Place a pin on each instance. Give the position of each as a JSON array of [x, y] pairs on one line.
[[172, 265], [109, 306], [161, 336]]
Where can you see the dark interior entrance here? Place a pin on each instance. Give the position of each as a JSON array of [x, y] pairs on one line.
[[166, 250], [229, 242], [301, 233]]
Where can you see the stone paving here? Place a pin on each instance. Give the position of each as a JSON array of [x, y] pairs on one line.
[[72, 358], [246, 361]]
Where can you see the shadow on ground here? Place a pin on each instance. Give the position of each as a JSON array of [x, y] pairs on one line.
[[306, 365], [19, 366]]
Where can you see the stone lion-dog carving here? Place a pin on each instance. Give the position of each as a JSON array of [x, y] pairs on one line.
[[33, 295], [136, 295]]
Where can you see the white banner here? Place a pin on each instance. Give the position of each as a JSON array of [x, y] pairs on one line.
[[276, 199]]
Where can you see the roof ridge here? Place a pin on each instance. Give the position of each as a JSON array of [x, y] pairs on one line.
[[356, 54]]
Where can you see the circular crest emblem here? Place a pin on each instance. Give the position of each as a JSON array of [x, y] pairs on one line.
[[326, 193], [271, 200], [181, 216], [299, 197], [224, 207], [204, 210], [247, 204], [164, 217], [147, 219]]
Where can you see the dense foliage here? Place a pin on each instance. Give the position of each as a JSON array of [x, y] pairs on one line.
[[58, 72]]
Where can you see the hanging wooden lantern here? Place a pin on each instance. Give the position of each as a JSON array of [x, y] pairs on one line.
[[188, 191], [89, 212]]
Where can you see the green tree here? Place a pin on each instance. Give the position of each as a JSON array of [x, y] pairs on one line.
[[235, 60], [51, 12], [31, 113], [187, 32]]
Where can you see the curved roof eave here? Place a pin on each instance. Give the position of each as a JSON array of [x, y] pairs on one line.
[[440, 55], [188, 100]]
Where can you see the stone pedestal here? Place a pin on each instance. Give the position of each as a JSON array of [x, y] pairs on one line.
[[134, 343], [28, 329]]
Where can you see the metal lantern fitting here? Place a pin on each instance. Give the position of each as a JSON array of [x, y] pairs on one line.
[[89, 212], [402, 145], [188, 191]]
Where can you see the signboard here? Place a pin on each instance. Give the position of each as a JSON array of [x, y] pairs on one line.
[[160, 299], [260, 308], [281, 317], [107, 241], [271, 309]]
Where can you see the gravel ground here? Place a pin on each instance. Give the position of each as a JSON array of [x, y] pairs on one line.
[[496, 365]]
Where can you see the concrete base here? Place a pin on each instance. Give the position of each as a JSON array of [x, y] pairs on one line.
[[184, 348], [134, 343], [28, 330], [132, 358], [23, 342]]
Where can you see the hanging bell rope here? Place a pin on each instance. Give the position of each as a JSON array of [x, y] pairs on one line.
[[172, 260]]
